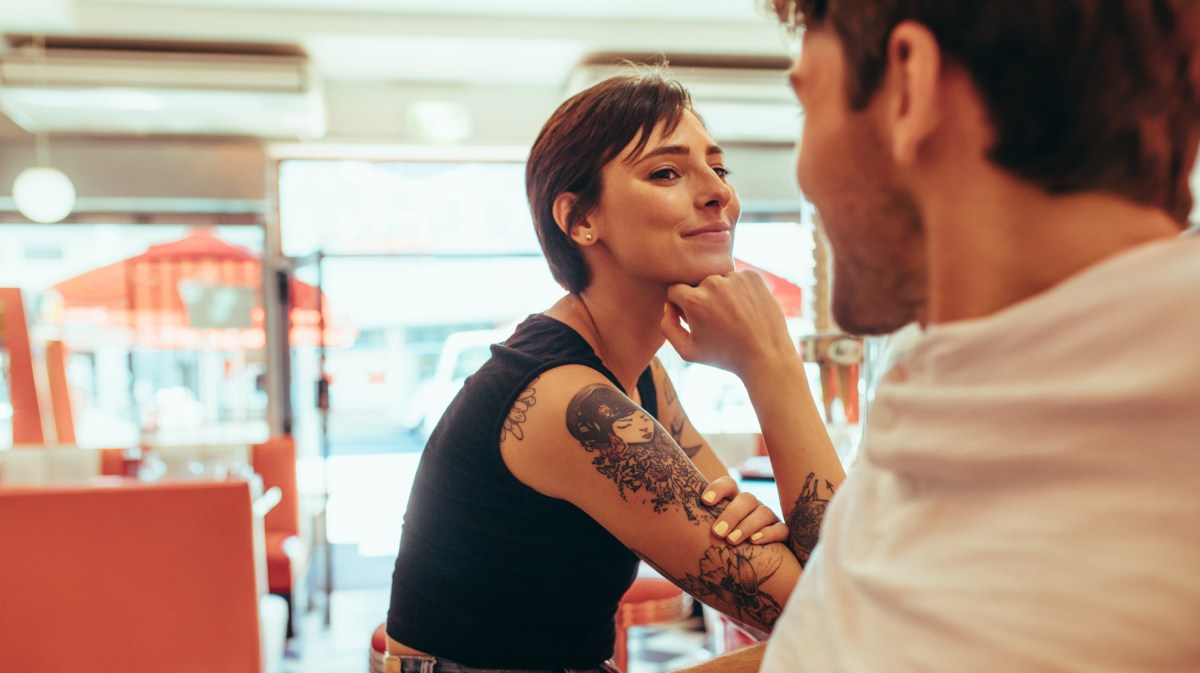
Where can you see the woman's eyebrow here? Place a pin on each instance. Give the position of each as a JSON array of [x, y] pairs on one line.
[[677, 149]]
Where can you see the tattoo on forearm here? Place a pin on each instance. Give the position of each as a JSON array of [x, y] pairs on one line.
[[804, 522], [677, 424], [631, 449], [731, 578], [518, 414]]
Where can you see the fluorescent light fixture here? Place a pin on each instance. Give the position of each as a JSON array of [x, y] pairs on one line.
[[439, 121], [739, 104]]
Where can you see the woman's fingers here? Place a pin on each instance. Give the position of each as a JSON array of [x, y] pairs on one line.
[[720, 490], [744, 518], [776, 532]]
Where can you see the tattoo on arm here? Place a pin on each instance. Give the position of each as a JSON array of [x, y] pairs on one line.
[[631, 449], [670, 392], [731, 579], [804, 522], [518, 414], [677, 434]]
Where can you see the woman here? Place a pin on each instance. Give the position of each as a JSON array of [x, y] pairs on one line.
[[548, 476]]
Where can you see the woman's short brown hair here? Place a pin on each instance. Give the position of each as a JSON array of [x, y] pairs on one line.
[[584, 134], [1082, 95]]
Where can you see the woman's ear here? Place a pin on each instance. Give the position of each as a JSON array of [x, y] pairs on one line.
[[581, 233]]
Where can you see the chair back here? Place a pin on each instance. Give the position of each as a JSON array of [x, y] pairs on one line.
[[138, 578], [275, 461]]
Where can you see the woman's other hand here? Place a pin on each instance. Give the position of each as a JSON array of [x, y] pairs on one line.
[[744, 519], [733, 322]]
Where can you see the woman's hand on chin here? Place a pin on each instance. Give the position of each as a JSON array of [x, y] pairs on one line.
[[733, 323]]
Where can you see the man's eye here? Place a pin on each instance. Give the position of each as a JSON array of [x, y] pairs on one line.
[[722, 171]]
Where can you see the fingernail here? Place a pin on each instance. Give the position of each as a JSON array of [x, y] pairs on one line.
[[756, 537], [709, 496], [735, 536], [720, 528]]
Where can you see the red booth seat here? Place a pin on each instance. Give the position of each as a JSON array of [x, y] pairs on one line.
[[136, 578]]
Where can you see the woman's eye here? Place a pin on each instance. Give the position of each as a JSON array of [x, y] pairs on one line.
[[664, 174], [624, 426], [722, 171]]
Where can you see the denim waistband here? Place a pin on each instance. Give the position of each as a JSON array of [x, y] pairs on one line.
[[423, 664]]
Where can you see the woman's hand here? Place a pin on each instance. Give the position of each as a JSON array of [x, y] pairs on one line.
[[733, 322], [744, 518]]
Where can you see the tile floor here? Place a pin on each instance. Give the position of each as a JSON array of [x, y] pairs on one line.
[[342, 648]]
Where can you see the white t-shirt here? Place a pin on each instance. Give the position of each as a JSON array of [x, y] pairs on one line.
[[1027, 498]]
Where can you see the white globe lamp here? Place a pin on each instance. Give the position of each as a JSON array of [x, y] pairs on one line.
[[43, 194]]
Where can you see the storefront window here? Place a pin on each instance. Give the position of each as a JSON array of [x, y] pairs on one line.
[[162, 327]]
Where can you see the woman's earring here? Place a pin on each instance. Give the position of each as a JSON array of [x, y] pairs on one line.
[[587, 237]]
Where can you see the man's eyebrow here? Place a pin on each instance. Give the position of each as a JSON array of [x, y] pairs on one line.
[[677, 149]]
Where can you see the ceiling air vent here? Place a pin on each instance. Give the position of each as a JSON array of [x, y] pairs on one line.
[[153, 88]]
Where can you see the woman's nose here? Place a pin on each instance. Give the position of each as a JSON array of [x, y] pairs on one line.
[[717, 192]]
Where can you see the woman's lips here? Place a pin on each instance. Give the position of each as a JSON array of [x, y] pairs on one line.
[[712, 236]]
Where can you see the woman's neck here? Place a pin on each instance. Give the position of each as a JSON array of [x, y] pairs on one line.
[[621, 324]]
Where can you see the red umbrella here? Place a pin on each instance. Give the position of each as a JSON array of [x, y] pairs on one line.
[[196, 292], [787, 293]]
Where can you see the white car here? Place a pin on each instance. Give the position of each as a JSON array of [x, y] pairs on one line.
[[462, 355]]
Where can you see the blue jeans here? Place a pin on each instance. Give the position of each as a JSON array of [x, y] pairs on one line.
[[423, 664]]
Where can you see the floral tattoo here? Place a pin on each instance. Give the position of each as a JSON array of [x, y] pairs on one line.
[[518, 414], [804, 521], [631, 449], [731, 578]]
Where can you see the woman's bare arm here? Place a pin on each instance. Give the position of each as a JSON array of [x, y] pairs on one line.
[[675, 419], [648, 494], [736, 324]]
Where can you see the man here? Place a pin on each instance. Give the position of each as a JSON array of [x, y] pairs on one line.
[[1013, 176]]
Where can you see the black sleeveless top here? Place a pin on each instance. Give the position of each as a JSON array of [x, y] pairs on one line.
[[491, 573]]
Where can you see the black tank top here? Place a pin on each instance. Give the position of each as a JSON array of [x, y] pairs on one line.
[[491, 573]]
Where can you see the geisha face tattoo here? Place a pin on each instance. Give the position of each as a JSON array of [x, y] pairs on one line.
[[636, 428], [634, 451]]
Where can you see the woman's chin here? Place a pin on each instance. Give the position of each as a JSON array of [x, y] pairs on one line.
[[718, 268]]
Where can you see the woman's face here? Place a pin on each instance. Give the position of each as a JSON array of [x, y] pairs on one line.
[[668, 215], [636, 428]]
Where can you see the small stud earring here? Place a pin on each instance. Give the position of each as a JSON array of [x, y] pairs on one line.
[[587, 237]]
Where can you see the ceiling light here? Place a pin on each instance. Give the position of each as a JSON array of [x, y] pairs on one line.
[[43, 194]]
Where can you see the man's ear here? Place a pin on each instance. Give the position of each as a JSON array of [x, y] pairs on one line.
[[581, 233], [914, 74]]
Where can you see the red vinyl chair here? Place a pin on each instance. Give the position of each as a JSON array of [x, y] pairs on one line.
[[651, 600], [287, 553], [378, 649], [129, 578]]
